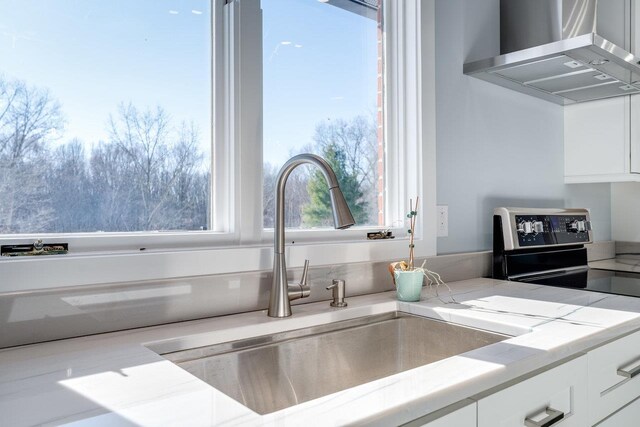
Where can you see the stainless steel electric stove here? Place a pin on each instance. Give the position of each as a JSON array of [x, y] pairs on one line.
[[547, 247]]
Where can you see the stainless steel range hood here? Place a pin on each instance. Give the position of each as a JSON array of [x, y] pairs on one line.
[[558, 50]]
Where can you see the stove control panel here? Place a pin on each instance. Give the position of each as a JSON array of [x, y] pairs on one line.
[[527, 228], [544, 230]]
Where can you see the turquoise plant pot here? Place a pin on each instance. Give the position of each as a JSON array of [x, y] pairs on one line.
[[408, 285]]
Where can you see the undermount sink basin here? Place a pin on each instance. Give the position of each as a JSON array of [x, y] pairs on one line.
[[273, 372]]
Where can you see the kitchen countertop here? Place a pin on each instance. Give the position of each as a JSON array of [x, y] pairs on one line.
[[114, 379], [627, 265]]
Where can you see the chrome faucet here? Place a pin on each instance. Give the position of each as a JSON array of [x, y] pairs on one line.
[[282, 293]]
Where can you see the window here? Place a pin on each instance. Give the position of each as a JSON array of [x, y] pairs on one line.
[[322, 89], [105, 123], [160, 125], [105, 113]]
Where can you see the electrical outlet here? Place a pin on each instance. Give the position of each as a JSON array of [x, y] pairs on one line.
[[443, 220]]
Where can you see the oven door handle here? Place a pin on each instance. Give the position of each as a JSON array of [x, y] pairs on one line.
[[528, 278]]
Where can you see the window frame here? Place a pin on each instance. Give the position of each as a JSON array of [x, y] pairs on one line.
[[238, 242]]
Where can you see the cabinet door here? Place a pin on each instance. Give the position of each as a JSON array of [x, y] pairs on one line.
[[557, 394], [625, 417], [614, 376], [596, 140]]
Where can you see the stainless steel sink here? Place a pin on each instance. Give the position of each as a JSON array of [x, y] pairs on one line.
[[273, 372]]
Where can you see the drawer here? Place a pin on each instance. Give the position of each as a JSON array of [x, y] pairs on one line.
[[614, 376], [461, 414], [625, 417], [465, 417], [530, 402]]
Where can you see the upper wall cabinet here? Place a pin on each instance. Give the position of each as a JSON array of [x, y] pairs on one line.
[[602, 138], [598, 141]]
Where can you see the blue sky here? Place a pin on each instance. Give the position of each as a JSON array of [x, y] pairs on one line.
[[94, 54], [333, 74]]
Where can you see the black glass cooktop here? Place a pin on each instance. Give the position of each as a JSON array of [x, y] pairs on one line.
[[613, 282]]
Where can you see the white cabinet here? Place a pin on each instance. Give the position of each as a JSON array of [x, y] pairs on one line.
[[559, 393], [600, 388], [462, 417], [602, 141], [465, 417], [614, 376], [602, 138], [597, 141]]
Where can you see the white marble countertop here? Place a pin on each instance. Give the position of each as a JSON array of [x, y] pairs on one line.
[[114, 379], [627, 265]]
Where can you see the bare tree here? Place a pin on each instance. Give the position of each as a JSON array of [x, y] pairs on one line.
[[113, 194], [29, 120], [25, 206], [187, 182], [70, 190], [159, 159], [149, 175]]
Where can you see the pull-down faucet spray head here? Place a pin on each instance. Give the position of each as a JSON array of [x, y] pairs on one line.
[[342, 217]]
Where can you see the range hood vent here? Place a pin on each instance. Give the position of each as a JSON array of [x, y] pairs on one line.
[[550, 49]]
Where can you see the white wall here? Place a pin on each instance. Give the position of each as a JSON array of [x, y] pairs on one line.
[[625, 211], [495, 147]]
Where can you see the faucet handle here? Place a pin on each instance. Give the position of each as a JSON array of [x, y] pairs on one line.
[[305, 271], [302, 289]]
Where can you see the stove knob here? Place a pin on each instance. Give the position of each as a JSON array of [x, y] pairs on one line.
[[578, 226], [525, 227], [538, 226]]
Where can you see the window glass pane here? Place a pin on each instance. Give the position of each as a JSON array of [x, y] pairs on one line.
[[322, 65], [104, 115]]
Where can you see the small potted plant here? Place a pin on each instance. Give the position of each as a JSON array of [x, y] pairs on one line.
[[407, 278]]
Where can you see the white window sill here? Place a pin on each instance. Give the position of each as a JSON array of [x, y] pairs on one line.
[[58, 271]]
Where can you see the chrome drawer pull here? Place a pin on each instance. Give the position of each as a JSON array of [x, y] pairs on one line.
[[553, 416], [629, 372]]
